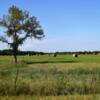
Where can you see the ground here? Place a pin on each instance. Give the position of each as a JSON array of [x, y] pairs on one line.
[[50, 78]]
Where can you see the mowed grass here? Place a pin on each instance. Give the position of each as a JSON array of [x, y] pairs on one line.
[[51, 77]]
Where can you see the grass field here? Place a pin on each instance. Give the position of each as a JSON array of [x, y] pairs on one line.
[[51, 78]]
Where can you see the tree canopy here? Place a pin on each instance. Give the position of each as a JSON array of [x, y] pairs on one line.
[[19, 26]]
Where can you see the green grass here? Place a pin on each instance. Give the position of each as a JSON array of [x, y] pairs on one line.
[[68, 97], [51, 76]]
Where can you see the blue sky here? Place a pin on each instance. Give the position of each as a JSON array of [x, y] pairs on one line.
[[69, 25]]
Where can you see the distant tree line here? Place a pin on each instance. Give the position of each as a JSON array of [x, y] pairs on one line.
[[78, 52], [10, 52], [30, 53]]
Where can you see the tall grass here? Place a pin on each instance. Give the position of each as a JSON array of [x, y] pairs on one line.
[[51, 81], [46, 77]]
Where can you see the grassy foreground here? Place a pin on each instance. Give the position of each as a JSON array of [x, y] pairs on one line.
[[68, 97], [47, 77]]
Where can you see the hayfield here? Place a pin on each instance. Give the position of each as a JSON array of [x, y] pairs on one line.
[[51, 78]]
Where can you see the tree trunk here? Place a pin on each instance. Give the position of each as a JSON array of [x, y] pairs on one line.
[[15, 46], [17, 70], [15, 53], [16, 79], [15, 58]]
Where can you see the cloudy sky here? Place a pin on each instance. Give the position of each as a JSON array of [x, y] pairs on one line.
[[69, 25]]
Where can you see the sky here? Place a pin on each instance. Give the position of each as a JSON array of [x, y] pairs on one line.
[[69, 25]]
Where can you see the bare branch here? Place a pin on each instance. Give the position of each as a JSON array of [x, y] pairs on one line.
[[3, 39]]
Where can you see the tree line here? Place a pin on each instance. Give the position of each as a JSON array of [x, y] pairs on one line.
[[30, 53], [10, 52]]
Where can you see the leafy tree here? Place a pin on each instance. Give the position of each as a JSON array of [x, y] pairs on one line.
[[19, 26]]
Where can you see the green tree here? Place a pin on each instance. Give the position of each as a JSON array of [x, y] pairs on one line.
[[19, 26]]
